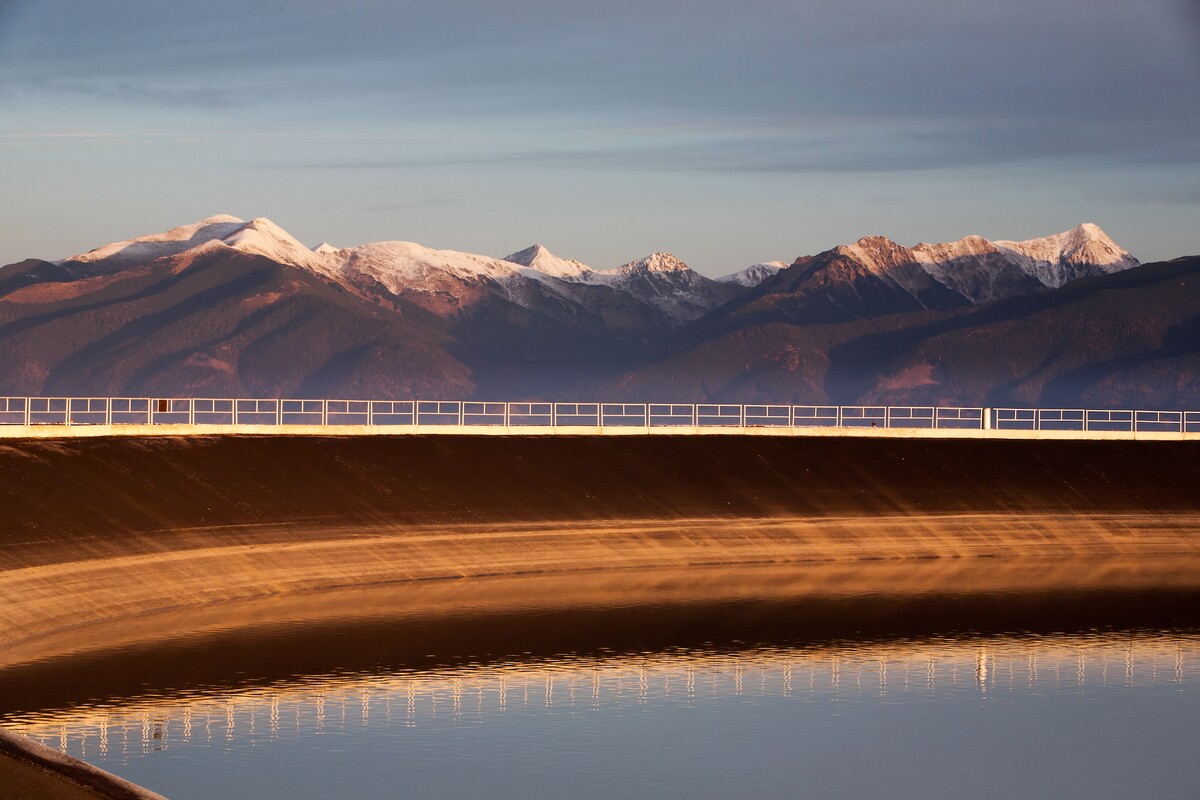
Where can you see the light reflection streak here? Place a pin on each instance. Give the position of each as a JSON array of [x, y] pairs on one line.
[[1014, 664]]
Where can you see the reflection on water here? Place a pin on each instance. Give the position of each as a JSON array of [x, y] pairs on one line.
[[790, 683], [275, 722]]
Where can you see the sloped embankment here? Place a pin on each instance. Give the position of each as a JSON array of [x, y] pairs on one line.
[[61, 497], [114, 532]]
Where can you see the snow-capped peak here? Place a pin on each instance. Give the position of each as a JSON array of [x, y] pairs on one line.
[[217, 219], [325, 249], [655, 262], [119, 255], [538, 258], [1083, 250], [878, 254], [263, 237], [754, 274]]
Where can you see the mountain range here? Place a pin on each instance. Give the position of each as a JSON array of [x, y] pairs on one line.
[[225, 307]]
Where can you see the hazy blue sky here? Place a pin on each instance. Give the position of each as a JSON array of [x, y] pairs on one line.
[[726, 133]]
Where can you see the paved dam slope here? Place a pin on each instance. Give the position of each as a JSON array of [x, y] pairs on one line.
[[83, 493], [101, 535]]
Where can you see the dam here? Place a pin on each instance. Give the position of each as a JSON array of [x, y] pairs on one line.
[[190, 593]]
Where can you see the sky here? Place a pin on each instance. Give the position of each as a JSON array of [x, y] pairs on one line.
[[727, 134]]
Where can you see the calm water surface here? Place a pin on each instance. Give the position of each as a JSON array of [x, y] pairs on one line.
[[1094, 713]]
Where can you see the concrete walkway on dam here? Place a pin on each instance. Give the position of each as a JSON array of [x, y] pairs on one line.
[[49, 417], [101, 430]]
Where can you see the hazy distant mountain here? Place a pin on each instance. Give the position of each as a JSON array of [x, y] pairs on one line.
[[754, 274], [659, 280], [223, 306]]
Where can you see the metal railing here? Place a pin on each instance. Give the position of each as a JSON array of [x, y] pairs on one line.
[[1083, 419], [67, 411]]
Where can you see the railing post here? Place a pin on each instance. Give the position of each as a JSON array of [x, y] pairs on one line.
[[987, 419], [28, 418]]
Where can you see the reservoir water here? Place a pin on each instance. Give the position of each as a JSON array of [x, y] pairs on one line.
[[1040, 695]]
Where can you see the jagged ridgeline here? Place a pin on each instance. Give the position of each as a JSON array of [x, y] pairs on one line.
[[224, 307]]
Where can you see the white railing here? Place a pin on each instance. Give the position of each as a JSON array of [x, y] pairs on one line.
[[279, 412]]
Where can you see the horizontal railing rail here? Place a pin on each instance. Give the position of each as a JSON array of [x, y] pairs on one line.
[[285, 412]]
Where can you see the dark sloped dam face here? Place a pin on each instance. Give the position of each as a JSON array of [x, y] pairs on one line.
[[641, 617]]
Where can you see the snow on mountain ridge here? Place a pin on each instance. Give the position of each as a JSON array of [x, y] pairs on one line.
[[1083, 250], [753, 275], [119, 255], [660, 280], [973, 267], [408, 265], [655, 262], [540, 259], [261, 236], [981, 270]]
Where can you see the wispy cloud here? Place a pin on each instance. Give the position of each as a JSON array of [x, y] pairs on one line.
[[142, 93], [95, 135], [400, 205], [854, 146], [1176, 196]]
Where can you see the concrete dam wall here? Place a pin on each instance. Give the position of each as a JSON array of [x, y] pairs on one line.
[[84, 492], [111, 542]]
